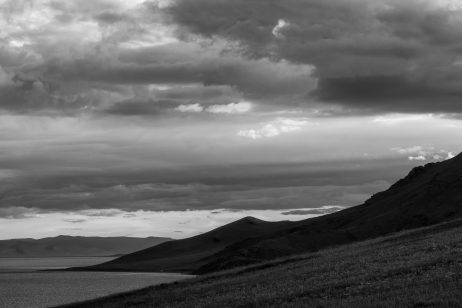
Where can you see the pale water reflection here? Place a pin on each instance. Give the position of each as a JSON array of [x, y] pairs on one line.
[[21, 286]]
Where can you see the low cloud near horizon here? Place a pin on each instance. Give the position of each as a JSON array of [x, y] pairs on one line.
[[173, 224]]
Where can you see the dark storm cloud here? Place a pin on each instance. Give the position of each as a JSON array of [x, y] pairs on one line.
[[380, 55], [112, 18], [75, 221], [200, 92], [253, 22], [105, 77], [165, 65], [32, 95], [438, 27], [385, 93], [59, 31], [17, 212], [236, 188], [265, 51], [167, 100], [135, 108]]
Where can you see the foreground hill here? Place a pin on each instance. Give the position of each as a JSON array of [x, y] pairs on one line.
[[191, 253], [69, 246], [428, 195], [417, 268]]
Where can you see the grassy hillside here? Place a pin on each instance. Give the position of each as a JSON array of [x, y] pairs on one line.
[[418, 268]]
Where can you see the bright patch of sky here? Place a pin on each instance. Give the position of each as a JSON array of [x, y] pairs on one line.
[[174, 224]]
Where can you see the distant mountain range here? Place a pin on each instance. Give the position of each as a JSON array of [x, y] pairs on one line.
[[69, 246], [430, 194]]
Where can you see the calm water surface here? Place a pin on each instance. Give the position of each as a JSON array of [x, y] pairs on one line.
[[21, 286]]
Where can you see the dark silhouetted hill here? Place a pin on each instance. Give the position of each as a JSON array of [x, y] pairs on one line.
[[429, 195], [70, 246], [189, 254]]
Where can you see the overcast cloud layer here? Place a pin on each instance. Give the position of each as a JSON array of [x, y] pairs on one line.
[[237, 105], [144, 57]]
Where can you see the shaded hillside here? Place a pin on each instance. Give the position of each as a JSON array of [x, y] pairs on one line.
[[189, 254], [417, 268], [428, 195], [69, 246]]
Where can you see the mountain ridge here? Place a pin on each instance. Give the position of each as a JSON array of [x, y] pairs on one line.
[[428, 195], [75, 246], [186, 254]]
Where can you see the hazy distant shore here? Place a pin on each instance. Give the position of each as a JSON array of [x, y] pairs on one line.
[[36, 282]]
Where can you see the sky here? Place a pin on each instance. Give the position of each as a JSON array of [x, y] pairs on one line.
[[172, 117]]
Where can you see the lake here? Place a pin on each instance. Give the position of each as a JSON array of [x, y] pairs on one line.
[[22, 286]]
